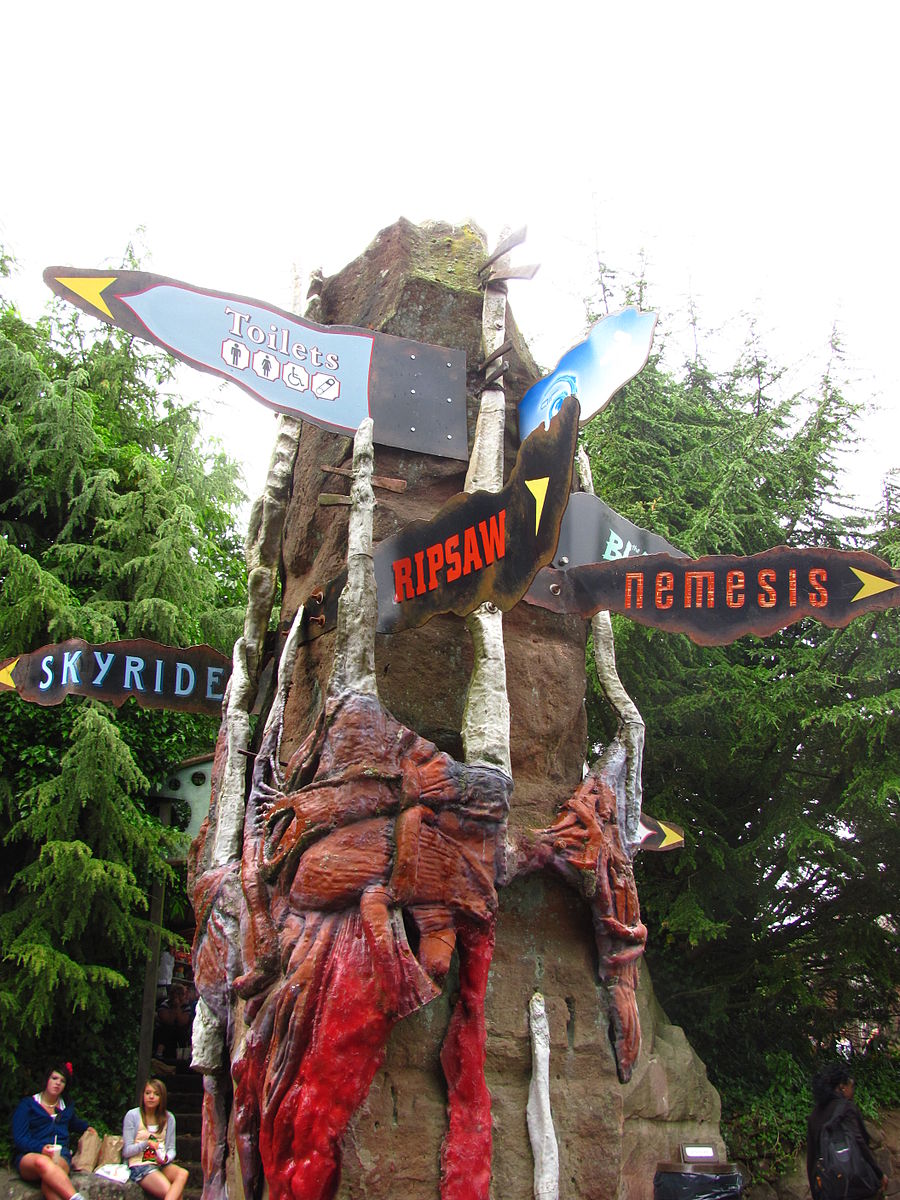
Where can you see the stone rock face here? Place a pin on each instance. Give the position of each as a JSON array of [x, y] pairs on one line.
[[92, 1187], [421, 282], [611, 1136]]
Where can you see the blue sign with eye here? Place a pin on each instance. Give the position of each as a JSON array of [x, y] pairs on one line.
[[616, 348]]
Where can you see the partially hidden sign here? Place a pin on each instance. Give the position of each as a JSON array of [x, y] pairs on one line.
[[331, 375], [591, 531], [156, 676], [658, 835], [483, 546], [718, 599], [616, 348]]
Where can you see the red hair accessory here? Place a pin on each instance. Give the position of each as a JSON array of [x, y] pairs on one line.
[[69, 1067]]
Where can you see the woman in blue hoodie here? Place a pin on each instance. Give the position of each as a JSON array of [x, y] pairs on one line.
[[41, 1126]]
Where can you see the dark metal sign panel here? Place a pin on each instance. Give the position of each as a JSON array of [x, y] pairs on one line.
[[331, 375], [718, 599], [616, 348], [479, 547], [592, 532], [156, 676]]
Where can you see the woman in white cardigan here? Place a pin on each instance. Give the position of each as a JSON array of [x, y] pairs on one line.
[[148, 1145]]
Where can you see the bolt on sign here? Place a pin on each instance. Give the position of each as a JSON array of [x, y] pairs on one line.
[[616, 348], [156, 676], [331, 375], [717, 599], [483, 546]]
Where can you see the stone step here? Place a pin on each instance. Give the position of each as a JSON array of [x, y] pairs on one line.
[[187, 1122], [183, 1080], [194, 1185], [94, 1187], [188, 1148]]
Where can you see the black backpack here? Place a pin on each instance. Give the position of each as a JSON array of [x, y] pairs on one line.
[[842, 1171]]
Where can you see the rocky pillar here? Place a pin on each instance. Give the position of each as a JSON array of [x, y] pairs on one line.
[[422, 283]]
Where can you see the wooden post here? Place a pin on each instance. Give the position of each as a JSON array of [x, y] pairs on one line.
[[151, 974]]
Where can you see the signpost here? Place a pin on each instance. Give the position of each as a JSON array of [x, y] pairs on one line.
[[718, 599], [156, 676], [331, 375], [591, 531], [658, 835]]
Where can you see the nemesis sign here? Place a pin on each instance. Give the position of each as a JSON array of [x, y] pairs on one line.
[[718, 599], [331, 375], [156, 676]]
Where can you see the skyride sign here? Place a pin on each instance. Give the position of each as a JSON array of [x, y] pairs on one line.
[[192, 678], [331, 375]]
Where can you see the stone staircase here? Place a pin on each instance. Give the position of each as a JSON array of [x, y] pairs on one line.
[[185, 1089]]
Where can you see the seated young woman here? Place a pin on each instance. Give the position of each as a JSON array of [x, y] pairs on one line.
[[148, 1144], [41, 1127]]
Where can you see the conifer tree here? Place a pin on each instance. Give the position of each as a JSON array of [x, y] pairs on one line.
[[115, 522], [774, 933]]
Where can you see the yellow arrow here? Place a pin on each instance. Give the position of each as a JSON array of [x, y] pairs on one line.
[[872, 585], [671, 836], [538, 489], [89, 288], [6, 678]]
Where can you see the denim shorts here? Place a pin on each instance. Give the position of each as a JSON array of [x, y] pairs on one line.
[[136, 1174]]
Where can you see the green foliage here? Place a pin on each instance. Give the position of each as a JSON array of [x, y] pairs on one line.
[[764, 1119], [774, 931], [111, 519], [765, 1125], [115, 522]]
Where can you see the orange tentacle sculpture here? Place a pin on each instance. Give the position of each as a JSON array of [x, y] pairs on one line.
[[584, 845], [361, 875]]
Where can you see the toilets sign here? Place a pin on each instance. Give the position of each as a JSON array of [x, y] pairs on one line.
[[331, 375]]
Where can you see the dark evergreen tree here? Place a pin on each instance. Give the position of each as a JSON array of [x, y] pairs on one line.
[[115, 522], [774, 933]]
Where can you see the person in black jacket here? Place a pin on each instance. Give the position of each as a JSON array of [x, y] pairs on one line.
[[833, 1089]]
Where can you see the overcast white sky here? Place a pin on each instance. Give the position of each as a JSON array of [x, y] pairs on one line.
[[748, 150]]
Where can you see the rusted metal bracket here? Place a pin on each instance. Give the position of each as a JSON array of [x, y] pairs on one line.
[[508, 243], [496, 269], [504, 349], [501, 368], [379, 481], [504, 273], [492, 377]]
